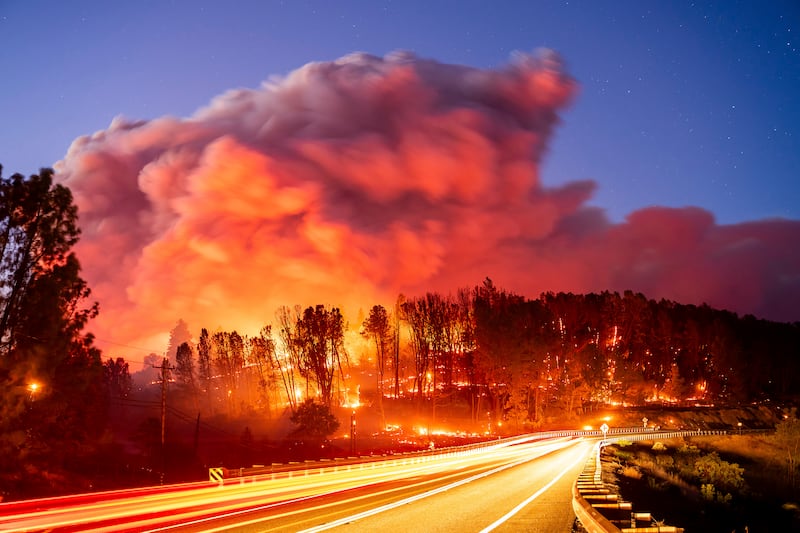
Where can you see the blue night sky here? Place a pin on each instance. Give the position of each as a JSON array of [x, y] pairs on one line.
[[673, 171], [680, 103]]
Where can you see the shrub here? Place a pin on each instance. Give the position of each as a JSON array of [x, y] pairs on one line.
[[708, 491], [712, 469], [314, 421], [665, 461], [631, 472], [689, 450], [623, 456]]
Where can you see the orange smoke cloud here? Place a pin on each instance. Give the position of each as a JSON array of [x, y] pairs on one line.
[[351, 181]]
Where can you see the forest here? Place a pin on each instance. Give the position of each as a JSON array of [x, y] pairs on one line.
[[520, 360]]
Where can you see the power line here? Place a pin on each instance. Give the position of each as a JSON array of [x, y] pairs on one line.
[[148, 350], [182, 415]]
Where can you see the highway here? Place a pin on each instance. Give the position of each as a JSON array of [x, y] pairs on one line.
[[511, 485]]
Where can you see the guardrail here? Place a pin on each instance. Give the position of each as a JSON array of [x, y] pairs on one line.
[[589, 479], [257, 470], [221, 473]]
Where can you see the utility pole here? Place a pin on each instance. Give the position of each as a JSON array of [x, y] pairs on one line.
[[197, 434], [353, 432], [165, 368], [397, 309]]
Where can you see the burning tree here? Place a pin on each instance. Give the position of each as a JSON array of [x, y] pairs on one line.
[[314, 344], [262, 355], [320, 333], [289, 363], [377, 327], [228, 350]]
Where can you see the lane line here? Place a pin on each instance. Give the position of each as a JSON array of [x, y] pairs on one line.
[[532, 497], [411, 499], [415, 469]]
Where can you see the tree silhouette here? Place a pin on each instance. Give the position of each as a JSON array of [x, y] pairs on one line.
[[185, 370], [42, 317], [320, 336], [117, 379], [178, 335], [377, 328], [314, 421], [204, 368]]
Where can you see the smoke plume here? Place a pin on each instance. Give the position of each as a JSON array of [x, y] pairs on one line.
[[352, 181]]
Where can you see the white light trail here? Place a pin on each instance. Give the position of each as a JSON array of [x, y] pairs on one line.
[[411, 499], [532, 497]]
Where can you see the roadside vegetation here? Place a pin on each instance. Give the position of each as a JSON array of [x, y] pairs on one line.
[[721, 483]]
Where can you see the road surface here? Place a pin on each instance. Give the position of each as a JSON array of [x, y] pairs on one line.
[[514, 485]]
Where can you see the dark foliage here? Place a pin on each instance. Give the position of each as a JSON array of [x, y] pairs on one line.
[[314, 421], [51, 386]]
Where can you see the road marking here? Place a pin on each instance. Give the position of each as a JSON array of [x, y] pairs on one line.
[[414, 469], [532, 497], [241, 512], [411, 499]]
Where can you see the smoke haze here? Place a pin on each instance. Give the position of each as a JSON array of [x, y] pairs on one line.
[[349, 182]]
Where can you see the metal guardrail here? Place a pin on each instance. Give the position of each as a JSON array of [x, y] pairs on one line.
[[276, 468], [307, 467], [591, 519], [337, 462]]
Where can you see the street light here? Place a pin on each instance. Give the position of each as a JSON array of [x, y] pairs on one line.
[[33, 388]]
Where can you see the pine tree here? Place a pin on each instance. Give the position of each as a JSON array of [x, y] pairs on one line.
[[51, 375]]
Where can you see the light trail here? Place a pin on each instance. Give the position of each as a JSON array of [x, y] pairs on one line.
[[532, 497], [277, 495], [440, 466], [394, 505]]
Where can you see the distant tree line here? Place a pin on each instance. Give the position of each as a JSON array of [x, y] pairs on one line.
[[518, 359]]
